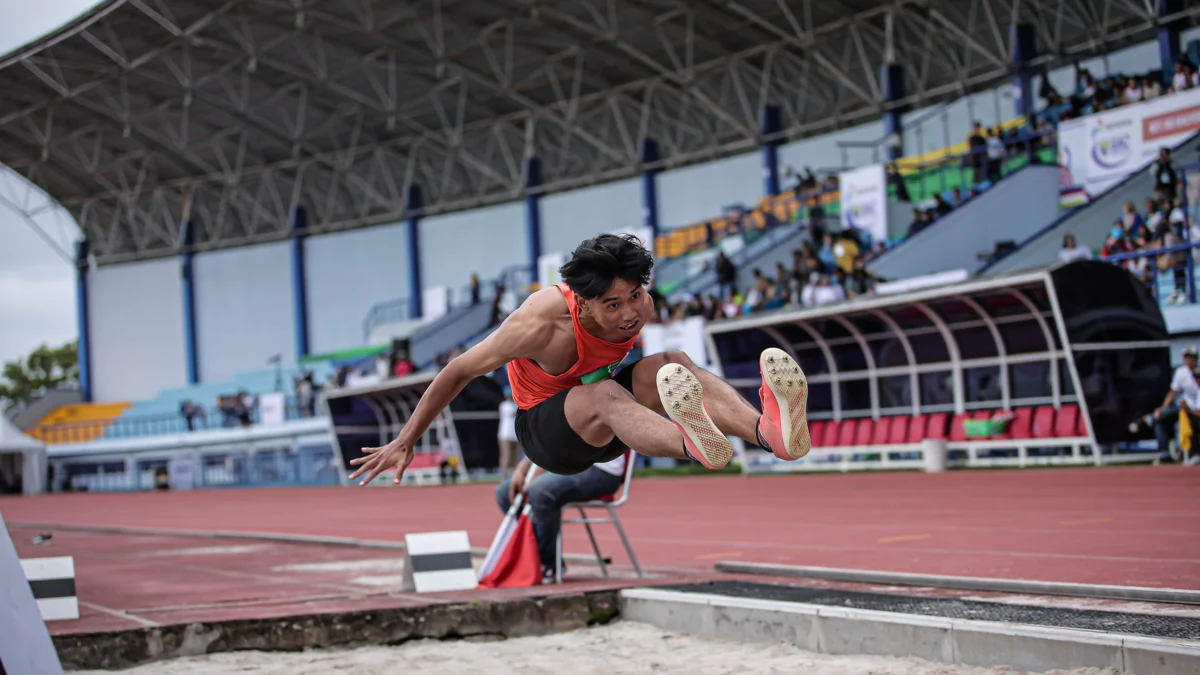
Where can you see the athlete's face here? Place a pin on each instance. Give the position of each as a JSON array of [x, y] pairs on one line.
[[620, 309]]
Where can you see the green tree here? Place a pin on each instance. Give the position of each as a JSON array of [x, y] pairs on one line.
[[46, 368]]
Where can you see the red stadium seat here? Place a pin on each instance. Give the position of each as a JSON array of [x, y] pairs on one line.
[[882, 429], [982, 415], [816, 431], [848, 431], [1043, 422], [958, 432], [866, 430], [917, 427], [936, 428], [1066, 424], [832, 434], [1020, 427], [898, 431]]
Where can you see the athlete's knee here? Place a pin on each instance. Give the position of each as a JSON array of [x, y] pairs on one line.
[[608, 390], [656, 361]]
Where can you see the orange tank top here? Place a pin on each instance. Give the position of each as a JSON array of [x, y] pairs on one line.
[[598, 360]]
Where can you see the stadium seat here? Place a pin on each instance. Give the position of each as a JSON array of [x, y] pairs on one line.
[[882, 429], [937, 427], [848, 432], [866, 432], [898, 430], [1043, 422], [958, 431], [916, 428], [1021, 426], [832, 434], [1067, 422]]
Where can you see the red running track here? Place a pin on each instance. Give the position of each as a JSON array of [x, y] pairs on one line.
[[1125, 525]]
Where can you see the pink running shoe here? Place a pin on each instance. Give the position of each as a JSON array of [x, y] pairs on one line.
[[784, 394], [683, 399]]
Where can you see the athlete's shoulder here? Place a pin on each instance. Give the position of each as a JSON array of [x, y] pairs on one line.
[[547, 304]]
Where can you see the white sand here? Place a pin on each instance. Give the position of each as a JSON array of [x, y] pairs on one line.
[[621, 648]]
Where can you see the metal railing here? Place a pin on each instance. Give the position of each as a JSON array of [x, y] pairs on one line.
[[154, 425]]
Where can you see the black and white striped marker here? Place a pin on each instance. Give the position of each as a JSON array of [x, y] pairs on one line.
[[438, 561], [52, 581], [25, 644]]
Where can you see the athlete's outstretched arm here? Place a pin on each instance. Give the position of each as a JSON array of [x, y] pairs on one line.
[[523, 333]]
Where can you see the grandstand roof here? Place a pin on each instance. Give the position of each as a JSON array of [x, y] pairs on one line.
[[229, 111]]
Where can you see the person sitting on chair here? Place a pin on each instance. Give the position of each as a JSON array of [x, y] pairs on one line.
[[548, 493]]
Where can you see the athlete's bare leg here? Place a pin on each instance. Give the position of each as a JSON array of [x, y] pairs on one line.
[[732, 413], [599, 412]]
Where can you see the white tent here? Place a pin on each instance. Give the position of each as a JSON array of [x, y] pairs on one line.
[[20, 453]]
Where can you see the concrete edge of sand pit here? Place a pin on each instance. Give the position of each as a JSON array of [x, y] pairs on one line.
[[500, 619], [1132, 593], [849, 631], [281, 537]]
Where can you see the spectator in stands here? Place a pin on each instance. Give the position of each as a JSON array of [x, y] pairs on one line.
[[1117, 242], [548, 493], [898, 184], [918, 222], [826, 254], [977, 153], [816, 219], [995, 155], [956, 198], [860, 281], [1134, 90], [506, 434], [1166, 177], [1072, 251], [191, 412], [726, 274], [474, 289], [821, 292], [1183, 384], [940, 206], [1131, 221]]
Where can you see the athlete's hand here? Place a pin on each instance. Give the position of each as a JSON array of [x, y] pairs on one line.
[[398, 453]]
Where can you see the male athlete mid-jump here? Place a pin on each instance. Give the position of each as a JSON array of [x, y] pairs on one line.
[[562, 346]]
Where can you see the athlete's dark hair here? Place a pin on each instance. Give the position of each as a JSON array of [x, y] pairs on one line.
[[597, 263]]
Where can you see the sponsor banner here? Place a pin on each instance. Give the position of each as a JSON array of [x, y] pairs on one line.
[[864, 200], [1098, 151], [435, 302], [272, 408], [686, 335]]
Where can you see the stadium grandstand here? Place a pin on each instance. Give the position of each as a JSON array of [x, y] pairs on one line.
[[287, 205]]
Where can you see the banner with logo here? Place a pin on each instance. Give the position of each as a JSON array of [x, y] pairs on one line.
[[864, 200], [1100, 150]]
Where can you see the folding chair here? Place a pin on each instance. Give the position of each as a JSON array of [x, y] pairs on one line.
[[609, 503]]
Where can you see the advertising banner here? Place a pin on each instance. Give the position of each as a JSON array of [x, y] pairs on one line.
[[435, 302], [864, 200], [272, 408], [1098, 151]]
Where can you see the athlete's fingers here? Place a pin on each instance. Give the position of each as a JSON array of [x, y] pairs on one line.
[[371, 451], [360, 460]]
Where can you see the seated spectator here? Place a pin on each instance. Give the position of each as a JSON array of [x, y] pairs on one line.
[[1116, 243], [1131, 221], [1072, 251], [918, 222], [1183, 385], [860, 281], [821, 292], [548, 493], [941, 207], [1134, 90], [956, 198]]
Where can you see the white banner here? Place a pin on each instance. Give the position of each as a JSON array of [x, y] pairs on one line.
[[548, 264], [686, 335], [864, 200], [1098, 151], [435, 302], [181, 473], [271, 408]]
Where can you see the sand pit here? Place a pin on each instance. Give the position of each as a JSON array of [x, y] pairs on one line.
[[622, 648]]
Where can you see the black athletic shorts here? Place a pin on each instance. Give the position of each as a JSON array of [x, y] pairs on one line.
[[549, 441]]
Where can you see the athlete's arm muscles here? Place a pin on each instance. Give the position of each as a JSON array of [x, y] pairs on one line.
[[522, 334]]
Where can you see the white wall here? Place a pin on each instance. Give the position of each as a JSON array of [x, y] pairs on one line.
[[701, 192], [244, 312], [823, 155], [136, 322], [570, 217], [346, 273], [484, 241]]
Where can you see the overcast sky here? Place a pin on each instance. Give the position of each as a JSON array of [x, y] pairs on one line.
[[37, 287]]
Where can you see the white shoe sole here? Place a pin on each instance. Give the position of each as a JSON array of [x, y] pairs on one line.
[[682, 398], [788, 385]]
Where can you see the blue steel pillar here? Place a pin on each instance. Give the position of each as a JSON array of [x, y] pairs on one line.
[[533, 212], [772, 124], [1024, 50], [1168, 37], [299, 218], [187, 236], [891, 81], [650, 171], [412, 207], [81, 316]]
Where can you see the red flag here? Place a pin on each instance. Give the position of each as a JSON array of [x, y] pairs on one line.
[[518, 563]]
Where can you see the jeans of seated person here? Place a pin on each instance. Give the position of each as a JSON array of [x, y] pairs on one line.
[[549, 493], [1164, 427]]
